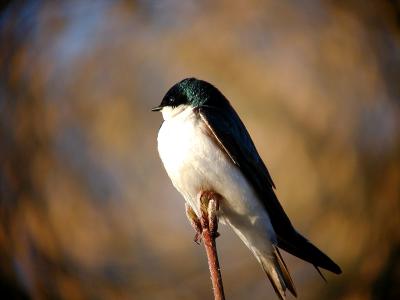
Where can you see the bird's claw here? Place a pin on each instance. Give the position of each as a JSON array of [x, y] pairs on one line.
[[209, 205], [195, 222], [212, 217], [197, 238]]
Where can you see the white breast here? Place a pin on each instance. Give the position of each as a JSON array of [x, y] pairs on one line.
[[195, 163]]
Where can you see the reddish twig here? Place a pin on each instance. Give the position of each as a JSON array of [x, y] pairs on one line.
[[207, 228]]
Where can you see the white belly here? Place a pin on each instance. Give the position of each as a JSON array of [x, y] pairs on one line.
[[195, 163]]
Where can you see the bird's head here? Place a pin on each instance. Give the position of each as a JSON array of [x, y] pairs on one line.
[[190, 92]]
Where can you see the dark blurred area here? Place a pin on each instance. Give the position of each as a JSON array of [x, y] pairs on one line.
[[86, 208]]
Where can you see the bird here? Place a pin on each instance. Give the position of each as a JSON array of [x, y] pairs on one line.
[[204, 146]]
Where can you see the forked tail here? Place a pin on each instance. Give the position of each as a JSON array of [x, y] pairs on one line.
[[278, 273]]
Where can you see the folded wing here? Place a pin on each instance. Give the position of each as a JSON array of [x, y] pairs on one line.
[[231, 135]]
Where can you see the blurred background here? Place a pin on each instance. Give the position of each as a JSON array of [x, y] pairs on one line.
[[86, 208]]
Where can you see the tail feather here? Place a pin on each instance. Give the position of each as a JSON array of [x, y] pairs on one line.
[[320, 273], [299, 246], [285, 272], [276, 284], [277, 273]]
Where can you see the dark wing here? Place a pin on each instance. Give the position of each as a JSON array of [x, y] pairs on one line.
[[231, 135]]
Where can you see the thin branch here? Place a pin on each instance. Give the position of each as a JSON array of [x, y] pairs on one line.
[[209, 224], [207, 229]]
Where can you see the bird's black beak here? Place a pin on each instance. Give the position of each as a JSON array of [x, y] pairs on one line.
[[157, 108]]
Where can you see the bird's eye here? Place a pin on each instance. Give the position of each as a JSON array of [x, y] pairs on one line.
[[172, 102]]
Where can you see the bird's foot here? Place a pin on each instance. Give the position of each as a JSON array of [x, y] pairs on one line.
[[195, 222], [209, 206], [197, 238]]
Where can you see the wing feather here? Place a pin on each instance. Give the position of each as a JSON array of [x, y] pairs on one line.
[[231, 135], [233, 138]]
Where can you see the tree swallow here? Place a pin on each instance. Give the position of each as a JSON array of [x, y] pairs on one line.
[[204, 146]]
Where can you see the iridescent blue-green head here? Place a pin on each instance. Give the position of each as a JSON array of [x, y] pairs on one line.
[[192, 92]]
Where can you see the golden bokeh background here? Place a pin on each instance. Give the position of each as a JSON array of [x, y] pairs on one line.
[[86, 208]]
